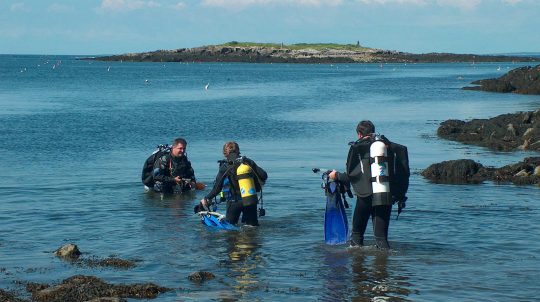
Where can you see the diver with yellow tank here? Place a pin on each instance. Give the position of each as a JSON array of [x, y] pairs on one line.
[[244, 179]]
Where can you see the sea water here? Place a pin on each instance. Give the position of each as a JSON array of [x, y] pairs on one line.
[[74, 135]]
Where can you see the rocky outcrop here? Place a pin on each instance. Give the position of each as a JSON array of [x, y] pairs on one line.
[[269, 54], [68, 251], [461, 171], [71, 253], [89, 288], [518, 131], [524, 80], [466, 171]]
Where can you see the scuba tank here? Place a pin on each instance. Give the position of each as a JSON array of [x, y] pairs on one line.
[[380, 181], [246, 183]]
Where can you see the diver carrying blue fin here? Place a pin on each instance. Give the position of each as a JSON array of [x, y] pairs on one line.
[[336, 226]]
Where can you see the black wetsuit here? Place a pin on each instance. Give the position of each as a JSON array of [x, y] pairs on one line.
[[358, 174], [235, 208], [166, 168]]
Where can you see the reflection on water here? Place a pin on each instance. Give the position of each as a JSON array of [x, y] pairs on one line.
[[372, 280], [243, 261], [363, 274]]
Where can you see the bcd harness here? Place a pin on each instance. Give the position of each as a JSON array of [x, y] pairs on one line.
[[240, 180], [370, 169], [148, 167]]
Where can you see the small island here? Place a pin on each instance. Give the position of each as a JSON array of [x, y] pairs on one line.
[[328, 53]]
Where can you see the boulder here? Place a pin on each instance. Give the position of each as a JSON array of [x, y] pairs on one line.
[[461, 171], [68, 251]]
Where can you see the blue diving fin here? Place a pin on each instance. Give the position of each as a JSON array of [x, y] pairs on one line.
[[336, 227], [214, 219]]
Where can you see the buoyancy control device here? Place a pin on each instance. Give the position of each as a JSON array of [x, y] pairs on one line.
[[147, 176]]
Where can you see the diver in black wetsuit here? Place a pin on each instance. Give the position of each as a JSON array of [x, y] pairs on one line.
[[236, 204], [173, 172], [358, 174]]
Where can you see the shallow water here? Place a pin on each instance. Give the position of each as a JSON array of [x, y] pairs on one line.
[[74, 138]]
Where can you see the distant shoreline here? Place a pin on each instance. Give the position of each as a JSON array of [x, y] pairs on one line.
[[303, 53]]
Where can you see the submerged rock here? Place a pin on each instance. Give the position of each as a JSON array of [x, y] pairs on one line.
[[9, 297], [506, 132], [109, 262], [90, 288], [524, 80], [201, 276], [466, 171], [68, 251], [71, 252]]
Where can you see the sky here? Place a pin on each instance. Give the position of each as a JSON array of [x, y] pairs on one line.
[[99, 27]]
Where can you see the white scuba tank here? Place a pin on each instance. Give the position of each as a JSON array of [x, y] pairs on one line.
[[380, 181]]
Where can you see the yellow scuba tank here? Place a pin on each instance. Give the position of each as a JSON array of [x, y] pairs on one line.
[[247, 185]]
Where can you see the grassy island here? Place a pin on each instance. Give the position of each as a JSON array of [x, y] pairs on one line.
[[250, 52]]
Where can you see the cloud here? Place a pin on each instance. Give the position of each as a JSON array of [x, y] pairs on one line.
[[461, 4], [413, 2], [127, 5], [59, 8], [19, 7], [245, 3], [179, 6]]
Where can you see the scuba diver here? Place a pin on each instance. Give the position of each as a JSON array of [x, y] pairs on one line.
[[378, 171], [244, 180], [172, 172]]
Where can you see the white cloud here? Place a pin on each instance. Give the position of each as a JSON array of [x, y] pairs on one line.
[[123, 5], [112, 4], [59, 8], [179, 6], [461, 4], [19, 7], [412, 2], [244, 3]]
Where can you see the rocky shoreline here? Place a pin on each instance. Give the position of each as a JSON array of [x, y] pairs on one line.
[[466, 171], [524, 80], [284, 54], [506, 132]]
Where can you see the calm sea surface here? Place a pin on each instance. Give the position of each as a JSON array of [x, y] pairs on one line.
[[74, 135]]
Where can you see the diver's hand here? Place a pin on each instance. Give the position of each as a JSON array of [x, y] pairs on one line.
[[205, 203], [333, 175], [178, 180]]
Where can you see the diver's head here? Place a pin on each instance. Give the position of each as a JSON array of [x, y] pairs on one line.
[[365, 128], [178, 148], [231, 150]]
